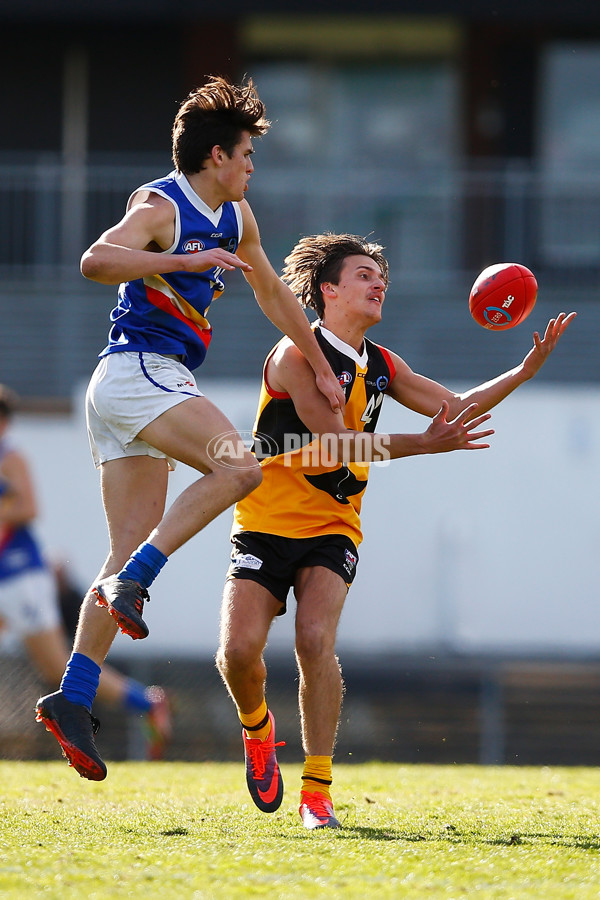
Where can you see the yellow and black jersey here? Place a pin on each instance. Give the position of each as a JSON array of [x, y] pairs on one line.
[[303, 492]]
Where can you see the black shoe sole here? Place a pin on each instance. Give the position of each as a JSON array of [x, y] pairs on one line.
[[80, 761], [273, 805], [126, 625]]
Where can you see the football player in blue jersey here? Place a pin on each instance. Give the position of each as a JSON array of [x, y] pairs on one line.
[[29, 601], [168, 254]]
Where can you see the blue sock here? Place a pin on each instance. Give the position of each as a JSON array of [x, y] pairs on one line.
[[143, 565], [80, 681], [135, 697]]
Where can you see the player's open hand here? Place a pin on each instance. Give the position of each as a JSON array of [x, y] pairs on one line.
[[543, 347], [208, 259], [443, 436]]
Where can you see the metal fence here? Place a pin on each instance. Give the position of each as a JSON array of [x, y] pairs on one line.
[[439, 226], [416, 709]]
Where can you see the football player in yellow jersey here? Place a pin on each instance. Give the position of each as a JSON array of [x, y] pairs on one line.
[[300, 528]]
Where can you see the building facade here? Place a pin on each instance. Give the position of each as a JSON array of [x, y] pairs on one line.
[[459, 134]]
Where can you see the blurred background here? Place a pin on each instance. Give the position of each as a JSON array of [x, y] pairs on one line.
[[458, 133]]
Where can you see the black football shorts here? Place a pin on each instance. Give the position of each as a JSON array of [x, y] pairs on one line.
[[274, 561]]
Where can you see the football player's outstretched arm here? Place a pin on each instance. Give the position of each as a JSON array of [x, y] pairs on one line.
[[288, 372], [425, 396]]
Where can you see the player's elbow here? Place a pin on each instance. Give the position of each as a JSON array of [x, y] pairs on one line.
[[92, 267], [88, 266]]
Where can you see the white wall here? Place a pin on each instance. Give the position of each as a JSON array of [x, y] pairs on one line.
[[482, 550]]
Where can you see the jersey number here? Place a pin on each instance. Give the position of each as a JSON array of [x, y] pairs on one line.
[[372, 405]]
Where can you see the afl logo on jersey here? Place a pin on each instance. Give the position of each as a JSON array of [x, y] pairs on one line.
[[194, 245], [345, 378]]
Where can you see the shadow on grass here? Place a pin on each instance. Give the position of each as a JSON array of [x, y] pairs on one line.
[[579, 842], [357, 832]]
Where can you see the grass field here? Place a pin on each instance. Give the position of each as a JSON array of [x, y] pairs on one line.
[[189, 830]]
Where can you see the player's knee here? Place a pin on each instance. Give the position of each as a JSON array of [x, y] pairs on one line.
[[237, 657], [313, 644]]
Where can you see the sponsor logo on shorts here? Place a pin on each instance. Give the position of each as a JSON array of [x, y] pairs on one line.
[[351, 561], [194, 245], [246, 561]]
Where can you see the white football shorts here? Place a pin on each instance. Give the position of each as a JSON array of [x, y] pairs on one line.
[[29, 602], [127, 391]]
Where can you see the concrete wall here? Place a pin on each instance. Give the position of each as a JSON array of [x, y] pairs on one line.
[[475, 551]]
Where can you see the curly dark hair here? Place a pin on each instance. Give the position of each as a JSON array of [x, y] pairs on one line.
[[319, 258], [215, 114]]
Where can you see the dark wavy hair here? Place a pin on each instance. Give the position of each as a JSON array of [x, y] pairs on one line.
[[215, 114], [319, 258]]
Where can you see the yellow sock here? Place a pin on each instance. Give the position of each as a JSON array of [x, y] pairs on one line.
[[316, 775], [257, 724]]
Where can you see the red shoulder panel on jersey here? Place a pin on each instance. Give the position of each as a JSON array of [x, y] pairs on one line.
[[277, 395], [386, 355]]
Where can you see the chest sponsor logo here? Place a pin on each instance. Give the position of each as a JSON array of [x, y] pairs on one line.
[[381, 383], [194, 245], [228, 243]]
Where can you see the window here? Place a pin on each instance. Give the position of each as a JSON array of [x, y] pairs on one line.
[[569, 154], [396, 116]]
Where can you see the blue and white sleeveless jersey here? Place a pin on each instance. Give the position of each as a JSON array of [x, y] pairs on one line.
[[19, 550], [167, 313]]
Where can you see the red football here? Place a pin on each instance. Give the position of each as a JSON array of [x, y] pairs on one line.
[[503, 296]]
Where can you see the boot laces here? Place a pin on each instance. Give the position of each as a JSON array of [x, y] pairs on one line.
[[318, 804], [259, 753]]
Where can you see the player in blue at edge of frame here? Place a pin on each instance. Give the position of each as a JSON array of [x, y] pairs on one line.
[[169, 253], [29, 595], [300, 528]]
